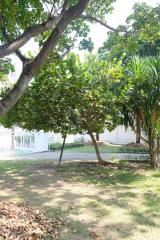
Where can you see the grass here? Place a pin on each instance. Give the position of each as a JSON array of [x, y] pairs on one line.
[[106, 149], [82, 148], [111, 202]]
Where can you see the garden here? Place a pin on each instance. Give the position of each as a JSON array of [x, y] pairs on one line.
[[53, 79]]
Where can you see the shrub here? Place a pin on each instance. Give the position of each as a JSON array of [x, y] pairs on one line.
[[57, 146]]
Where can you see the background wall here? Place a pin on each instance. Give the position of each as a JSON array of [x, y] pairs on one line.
[[22, 140]]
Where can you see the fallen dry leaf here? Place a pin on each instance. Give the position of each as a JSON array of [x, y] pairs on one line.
[[19, 222]]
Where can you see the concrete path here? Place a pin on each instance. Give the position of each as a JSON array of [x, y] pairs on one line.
[[76, 156]]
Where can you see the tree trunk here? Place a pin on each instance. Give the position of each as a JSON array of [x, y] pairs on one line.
[[153, 147], [31, 68], [97, 136], [96, 147], [138, 132], [138, 128], [154, 158], [62, 149]]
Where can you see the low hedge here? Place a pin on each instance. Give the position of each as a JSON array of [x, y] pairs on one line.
[[57, 146]]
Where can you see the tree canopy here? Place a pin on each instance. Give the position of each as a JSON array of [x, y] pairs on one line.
[[142, 99], [55, 25], [138, 36], [69, 97]]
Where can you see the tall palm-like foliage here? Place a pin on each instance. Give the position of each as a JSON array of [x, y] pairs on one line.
[[143, 98]]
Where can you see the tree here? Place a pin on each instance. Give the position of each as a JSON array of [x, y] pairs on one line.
[[57, 25], [139, 35], [143, 95], [67, 98]]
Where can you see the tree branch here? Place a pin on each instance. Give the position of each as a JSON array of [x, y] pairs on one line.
[[51, 42], [17, 52], [64, 5], [30, 69], [30, 32], [135, 131], [21, 56], [61, 57], [93, 19]]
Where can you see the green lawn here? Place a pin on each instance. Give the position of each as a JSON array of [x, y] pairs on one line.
[[106, 149], [114, 202], [82, 148]]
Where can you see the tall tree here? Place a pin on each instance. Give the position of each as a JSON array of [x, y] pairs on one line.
[[57, 24], [143, 94], [138, 36], [67, 98]]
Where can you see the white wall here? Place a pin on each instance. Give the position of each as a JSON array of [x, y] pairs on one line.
[[33, 141], [117, 136], [39, 141], [5, 139]]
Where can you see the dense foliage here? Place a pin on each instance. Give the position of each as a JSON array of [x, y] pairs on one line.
[[139, 36], [143, 98], [57, 26], [69, 97]]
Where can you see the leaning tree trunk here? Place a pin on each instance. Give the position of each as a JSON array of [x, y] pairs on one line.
[[62, 149], [138, 127], [96, 147], [153, 147], [97, 136]]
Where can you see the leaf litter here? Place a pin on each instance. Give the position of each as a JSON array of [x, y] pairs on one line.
[[22, 222]]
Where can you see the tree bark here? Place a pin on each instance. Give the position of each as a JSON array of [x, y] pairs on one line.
[[30, 32], [135, 131], [153, 147], [154, 156], [103, 23], [62, 149], [96, 148], [138, 128], [30, 69], [97, 136]]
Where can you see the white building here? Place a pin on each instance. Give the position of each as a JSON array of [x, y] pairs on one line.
[[32, 141], [22, 140], [118, 136]]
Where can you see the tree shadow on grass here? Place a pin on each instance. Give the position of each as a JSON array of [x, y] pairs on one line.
[[76, 191], [36, 181], [143, 219], [152, 202], [119, 231], [92, 173]]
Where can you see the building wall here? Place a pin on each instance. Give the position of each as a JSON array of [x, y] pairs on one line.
[[118, 136], [5, 139], [39, 141], [33, 141]]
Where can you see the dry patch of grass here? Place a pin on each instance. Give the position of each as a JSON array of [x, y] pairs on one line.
[[111, 202]]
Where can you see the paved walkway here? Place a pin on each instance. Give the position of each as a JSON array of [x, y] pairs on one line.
[[76, 156]]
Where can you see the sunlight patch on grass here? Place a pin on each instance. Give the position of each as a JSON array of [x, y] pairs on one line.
[[113, 202]]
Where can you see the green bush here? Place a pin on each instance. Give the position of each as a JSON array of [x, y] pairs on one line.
[[133, 150], [57, 146]]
